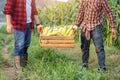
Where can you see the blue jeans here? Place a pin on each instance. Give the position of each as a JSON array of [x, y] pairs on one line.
[[96, 36], [22, 41]]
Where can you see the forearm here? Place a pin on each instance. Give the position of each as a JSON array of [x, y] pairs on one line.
[[36, 19], [8, 19], [9, 24]]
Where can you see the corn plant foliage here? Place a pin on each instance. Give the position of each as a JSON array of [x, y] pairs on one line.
[[115, 6], [59, 14], [65, 14]]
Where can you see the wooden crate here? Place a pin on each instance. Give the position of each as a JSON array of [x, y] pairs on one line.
[[56, 42]]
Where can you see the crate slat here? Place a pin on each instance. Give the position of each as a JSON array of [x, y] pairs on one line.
[[57, 41], [56, 37], [57, 45]]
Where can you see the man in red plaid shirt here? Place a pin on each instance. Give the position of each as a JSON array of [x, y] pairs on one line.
[[20, 17], [90, 21]]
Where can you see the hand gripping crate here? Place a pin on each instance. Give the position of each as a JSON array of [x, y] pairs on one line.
[[56, 41]]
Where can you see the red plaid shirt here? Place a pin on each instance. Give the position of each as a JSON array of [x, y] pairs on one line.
[[17, 10], [90, 14]]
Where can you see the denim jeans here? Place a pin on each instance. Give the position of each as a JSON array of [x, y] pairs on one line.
[[96, 36], [22, 40]]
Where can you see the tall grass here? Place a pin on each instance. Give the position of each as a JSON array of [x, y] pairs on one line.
[[2, 63], [3, 76], [51, 64], [4, 37]]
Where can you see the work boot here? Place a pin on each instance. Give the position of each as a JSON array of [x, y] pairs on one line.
[[23, 59], [17, 64], [84, 66], [26, 58], [104, 69]]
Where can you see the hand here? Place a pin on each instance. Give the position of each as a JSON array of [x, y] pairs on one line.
[[40, 28], [114, 33], [9, 28], [87, 34], [75, 27], [83, 27]]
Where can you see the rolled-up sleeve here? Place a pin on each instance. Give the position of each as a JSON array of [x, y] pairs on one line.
[[108, 12], [8, 8], [80, 14], [34, 9]]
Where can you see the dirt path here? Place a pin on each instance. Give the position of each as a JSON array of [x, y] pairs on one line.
[[8, 69]]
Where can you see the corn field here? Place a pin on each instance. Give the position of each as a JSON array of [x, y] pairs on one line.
[[115, 5], [59, 14], [65, 14]]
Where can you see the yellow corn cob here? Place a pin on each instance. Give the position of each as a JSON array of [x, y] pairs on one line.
[[70, 28], [45, 31], [49, 32], [71, 33], [63, 31]]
